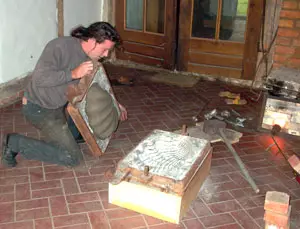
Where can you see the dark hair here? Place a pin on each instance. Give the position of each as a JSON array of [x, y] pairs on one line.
[[100, 31]]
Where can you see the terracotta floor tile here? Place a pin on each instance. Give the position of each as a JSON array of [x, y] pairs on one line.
[[217, 220], [98, 219], [226, 206], [128, 223], [18, 225], [43, 223], [150, 105]]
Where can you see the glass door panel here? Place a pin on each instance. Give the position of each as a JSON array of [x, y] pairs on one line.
[[233, 20], [220, 19], [155, 16], [134, 14]]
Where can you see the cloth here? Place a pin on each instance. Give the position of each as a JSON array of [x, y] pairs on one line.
[[59, 147], [52, 73]]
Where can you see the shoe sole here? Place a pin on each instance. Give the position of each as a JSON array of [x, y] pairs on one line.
[[4, 146]]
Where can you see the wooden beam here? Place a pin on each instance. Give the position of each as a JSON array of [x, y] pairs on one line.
[[60, 17], [254, 22]]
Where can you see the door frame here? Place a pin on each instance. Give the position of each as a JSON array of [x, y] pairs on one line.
[[250, 47], [134, 40]]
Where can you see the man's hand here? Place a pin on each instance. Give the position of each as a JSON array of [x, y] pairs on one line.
[[82, 70], [123, 115]]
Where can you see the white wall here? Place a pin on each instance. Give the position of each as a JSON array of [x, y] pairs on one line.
[[26, 27], [81, 12]]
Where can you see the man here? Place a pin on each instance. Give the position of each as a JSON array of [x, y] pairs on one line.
[[63, 62]]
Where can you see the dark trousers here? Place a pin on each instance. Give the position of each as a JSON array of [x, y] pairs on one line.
[[59, 147]]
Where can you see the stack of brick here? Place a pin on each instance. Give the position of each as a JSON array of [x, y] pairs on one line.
[[294, 161], [277, 210], [287, 51]]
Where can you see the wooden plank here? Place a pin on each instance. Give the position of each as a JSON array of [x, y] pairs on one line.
[[60, 17], [184, 37], [255, 10], [84, 130], [218, 26], [215, 70], [213, 46], [140, 59], [143, 37], [216, 59], [143, 49], [170, 34]]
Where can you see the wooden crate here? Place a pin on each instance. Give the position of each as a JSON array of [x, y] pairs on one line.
[[149, 192]]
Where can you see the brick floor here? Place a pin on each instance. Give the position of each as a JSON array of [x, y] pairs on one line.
[[37, 195]]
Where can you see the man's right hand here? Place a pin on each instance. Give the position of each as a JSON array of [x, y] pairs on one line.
[[82, 70]]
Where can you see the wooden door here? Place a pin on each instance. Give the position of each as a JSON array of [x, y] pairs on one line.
[[148, 31], [219, 37]]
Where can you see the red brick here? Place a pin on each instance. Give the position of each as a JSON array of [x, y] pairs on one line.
[[93, 178], [18, 225], [29, 204], [277, 202], [94, 187], [78, 226], [32, 214], [290, 14], [46, 185], [7, 189], [43, 223], [77, 198], [13, 172], [22, 191], [47, 193], [69, 220], [286, 23], [6, 212], [7, 197], [85, 207], [58, 206], [296, 42], [280, 58], [294, 63], [70, 186], [288, 32], [283, 41], [36, 174], [277, 219], [284, 49], [128, 223], [294, 161], [99, 220], [290, 5], [59, 175]]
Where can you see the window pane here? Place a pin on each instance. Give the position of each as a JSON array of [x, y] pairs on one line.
[[233, 20], [204, 18], [155, 16], [134, 14]]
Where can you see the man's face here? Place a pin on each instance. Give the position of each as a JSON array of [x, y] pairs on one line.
[[100, 50]]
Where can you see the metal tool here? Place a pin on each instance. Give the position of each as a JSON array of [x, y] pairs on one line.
[[217, 127]]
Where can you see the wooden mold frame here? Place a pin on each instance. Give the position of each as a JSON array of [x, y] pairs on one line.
[[76, 108]]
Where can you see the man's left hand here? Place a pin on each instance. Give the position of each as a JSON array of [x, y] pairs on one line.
[[123, 110]]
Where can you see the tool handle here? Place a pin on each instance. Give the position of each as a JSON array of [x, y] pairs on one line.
[[239, 162]]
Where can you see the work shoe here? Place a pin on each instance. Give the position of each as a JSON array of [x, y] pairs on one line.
[[8, 156]]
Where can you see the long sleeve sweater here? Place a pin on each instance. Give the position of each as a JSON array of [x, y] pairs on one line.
[[52, 73]]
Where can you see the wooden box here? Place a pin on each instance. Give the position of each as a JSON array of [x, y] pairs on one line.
[[162, 175], [76, 108]]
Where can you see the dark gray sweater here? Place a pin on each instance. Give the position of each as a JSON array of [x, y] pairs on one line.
[[52, 73]]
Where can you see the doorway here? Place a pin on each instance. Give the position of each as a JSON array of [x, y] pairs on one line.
[[214, 37]]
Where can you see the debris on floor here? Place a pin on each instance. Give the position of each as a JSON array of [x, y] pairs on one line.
[[232, 98], [197, 132]]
